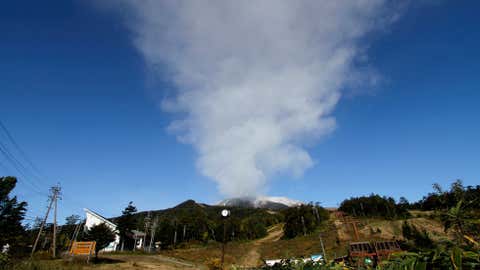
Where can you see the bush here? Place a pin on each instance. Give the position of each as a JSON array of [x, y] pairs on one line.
[[421, 239]]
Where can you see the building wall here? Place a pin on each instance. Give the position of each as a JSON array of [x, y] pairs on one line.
[[92, 220]]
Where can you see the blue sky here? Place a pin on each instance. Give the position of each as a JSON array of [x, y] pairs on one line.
[[77, 97]]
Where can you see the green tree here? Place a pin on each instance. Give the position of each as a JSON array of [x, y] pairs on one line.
[[375, 206], [303, 219], [72, 220], [125, 224], [420, 239], [12, 213], [102, 235], [456, 218], [458, 190]]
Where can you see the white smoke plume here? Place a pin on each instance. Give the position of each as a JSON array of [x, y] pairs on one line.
[[254, 80]]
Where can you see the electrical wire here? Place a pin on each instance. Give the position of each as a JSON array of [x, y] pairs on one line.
[[19, 149], [27, 171]]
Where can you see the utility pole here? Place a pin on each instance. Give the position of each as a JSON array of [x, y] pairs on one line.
[[225, 214], [57, 193], [75, 234], [147, 225], [52, 198], [54, 228], [152, 233]]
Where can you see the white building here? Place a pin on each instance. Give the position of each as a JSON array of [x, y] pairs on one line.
[[93, 218]]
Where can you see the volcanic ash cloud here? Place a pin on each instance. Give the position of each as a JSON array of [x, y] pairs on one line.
[[255, 80]]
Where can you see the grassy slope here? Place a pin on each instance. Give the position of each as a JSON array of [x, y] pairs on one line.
[[335, 234]]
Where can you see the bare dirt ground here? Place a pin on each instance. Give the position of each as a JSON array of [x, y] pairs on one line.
[[252, 258], [149, 262]]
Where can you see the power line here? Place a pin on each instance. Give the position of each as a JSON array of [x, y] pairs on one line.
[[25, 171], [16, 164], [19, 149]]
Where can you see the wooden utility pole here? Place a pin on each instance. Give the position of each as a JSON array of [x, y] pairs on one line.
[[52, 198], [55, 228], [147, 225], [56, 190], [152, 233], [74, 235]]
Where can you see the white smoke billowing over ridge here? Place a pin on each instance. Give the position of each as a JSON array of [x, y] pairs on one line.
[[255, 79]]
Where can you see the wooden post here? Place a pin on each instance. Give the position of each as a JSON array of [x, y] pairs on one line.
[[354, 223], [55, 229], [41, 228], [53, 198]]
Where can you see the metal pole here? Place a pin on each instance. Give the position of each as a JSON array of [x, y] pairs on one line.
[[224, 236], [225, 214]]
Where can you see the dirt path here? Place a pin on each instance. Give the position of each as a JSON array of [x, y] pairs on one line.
[[253, 256], [149, 262]]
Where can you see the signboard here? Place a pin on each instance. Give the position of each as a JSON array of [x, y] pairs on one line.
[[83, 248]]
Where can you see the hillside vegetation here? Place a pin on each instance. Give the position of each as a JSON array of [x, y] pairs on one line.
[[191, 221]]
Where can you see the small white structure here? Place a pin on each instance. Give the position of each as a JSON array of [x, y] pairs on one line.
[[93, 219]]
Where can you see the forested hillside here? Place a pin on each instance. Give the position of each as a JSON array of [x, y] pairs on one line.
[[191, 221]]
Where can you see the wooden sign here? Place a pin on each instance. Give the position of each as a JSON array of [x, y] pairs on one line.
[[83, 248]]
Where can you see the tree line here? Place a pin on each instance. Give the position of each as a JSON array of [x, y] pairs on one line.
[[375, 206], [194, 222]]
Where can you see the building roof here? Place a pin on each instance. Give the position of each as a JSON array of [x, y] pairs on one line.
[[99, 217]]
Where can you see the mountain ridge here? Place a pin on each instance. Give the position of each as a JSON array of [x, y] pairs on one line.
[[263, 202]]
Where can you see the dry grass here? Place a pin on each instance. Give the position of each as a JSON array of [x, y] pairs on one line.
[[392, 229]]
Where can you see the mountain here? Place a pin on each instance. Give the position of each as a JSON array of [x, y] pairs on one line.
[[192, 221], [264, 202]]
